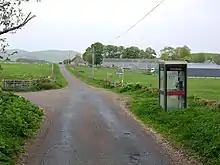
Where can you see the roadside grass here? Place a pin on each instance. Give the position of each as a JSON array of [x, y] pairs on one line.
[[19, 121], [25, 71], [195, 129], [39, 72], [206, 88], [59, 79]]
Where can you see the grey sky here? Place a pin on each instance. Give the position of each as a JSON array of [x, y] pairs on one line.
[[75, 24]]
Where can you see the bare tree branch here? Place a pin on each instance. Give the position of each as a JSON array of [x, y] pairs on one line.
[[27, 19], [2, 5]]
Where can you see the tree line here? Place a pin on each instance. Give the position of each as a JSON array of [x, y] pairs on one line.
[[167, 53]]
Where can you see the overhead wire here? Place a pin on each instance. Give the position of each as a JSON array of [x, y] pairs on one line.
[[131, 27]]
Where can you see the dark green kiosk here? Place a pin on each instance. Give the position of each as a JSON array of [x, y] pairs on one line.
[[173, 84]]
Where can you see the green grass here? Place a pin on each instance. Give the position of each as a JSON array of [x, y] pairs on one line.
[[19, 121], [59, 79], [33, 72], [195, 129], [25, 71], [204, 87]]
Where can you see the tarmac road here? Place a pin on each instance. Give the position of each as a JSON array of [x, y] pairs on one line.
[[87, 127]]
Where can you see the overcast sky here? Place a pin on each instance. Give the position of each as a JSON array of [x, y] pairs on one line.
[[76, 24]]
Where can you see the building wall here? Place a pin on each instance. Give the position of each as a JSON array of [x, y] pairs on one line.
[[194, 69]]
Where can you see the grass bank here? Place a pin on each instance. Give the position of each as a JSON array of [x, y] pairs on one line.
[[19, 121], [196, 129], [59, 79]]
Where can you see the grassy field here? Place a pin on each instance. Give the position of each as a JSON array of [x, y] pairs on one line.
[[33, 72], [195, 130], [203, 87], [25, 71]]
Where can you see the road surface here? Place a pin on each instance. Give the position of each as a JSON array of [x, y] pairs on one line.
[[87, 127]]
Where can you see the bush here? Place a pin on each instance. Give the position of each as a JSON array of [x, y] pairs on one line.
[[46, 86], [19, 120]]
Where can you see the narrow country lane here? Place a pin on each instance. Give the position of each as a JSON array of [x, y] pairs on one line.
[[89, 128]]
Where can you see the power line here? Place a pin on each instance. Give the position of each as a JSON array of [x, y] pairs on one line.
[[131, 27]]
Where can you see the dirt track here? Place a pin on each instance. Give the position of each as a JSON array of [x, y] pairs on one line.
[[87, 127]]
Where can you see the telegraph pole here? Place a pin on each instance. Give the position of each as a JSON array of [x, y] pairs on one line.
[[93, 56], [52, 71], [69, 58]]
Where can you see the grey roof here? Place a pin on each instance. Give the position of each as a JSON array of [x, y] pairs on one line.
[[199, 72]]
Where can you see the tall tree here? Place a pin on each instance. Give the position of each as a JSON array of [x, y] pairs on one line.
[[87, 55], [120, 51], [166, 53], [98, 52], [131, 52], [111, 51], [183, 53], [150, 53], [179, 53]]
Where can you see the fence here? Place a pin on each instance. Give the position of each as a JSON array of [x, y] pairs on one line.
[[21, 84]]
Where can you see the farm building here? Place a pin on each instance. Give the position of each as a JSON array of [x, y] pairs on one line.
[[194, 69]]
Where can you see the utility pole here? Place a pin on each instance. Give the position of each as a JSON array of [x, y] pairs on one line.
[[93, 56], [69, 58], [52, 72]]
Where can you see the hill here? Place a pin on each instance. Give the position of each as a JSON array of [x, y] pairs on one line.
[[206, 57], [47, 55]]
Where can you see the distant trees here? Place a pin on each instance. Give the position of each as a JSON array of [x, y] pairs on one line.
[[179, 53], [111, 51], [98, 50], [167, 53]]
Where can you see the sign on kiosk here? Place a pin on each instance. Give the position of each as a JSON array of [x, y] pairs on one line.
[[173, 84]]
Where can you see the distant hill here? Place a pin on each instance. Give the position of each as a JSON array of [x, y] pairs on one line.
[[47, 55], [206, 58], [206, 54], [26, 60]]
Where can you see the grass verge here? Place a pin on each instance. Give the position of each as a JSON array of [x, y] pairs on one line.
[[59, 79], [19, 120], [196, 129]]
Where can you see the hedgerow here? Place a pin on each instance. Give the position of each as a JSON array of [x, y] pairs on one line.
[[19, 120]]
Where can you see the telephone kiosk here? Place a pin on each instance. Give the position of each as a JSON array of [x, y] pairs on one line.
[[173, 84]]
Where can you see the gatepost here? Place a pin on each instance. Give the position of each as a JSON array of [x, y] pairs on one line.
[[173, 84]]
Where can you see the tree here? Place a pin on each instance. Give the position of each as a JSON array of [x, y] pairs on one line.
[[166, 53], [111, 51], [179, 53], [150, 53], [98, 52], [183, 53], [87, 55], [12, 18], [120, 51], [131, 52]]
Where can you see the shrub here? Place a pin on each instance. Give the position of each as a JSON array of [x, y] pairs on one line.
[[19, 120]]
